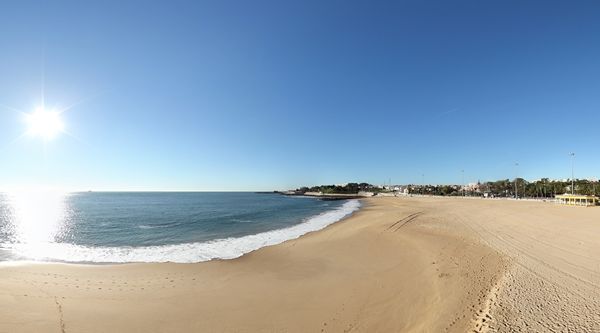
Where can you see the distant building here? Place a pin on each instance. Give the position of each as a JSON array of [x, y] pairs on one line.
[[472, 187], [403, 190], [577, 200]]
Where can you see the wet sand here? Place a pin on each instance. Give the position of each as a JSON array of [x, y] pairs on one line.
[[398, 265]]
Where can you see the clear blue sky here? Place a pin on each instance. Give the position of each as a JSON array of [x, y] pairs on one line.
[[259, 95]]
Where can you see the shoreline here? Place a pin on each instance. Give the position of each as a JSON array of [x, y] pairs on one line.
[[194, 252], [17, 263]]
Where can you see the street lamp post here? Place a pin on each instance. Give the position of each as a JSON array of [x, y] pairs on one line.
[[463, 182], [516, 180], [572, 173]]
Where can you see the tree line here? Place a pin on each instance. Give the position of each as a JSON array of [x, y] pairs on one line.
[[350, 188], [543, 188]]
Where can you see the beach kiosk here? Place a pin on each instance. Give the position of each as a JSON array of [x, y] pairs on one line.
[[577, 200]]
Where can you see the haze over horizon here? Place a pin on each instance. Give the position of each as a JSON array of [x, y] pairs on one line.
[[275, 95]]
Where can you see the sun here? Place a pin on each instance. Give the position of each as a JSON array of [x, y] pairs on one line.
[[45, 124]]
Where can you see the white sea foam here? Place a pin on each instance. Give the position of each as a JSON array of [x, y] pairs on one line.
[[227, 248]]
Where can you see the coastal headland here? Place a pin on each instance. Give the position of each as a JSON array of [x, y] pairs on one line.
[[398, 265]]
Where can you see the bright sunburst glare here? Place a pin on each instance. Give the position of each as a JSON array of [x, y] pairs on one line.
[[46, 124], [34, 220]]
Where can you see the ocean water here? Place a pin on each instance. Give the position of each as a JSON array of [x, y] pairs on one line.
[[118, 227]]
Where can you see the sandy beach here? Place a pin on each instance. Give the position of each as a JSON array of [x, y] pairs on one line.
[[398, 265]]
